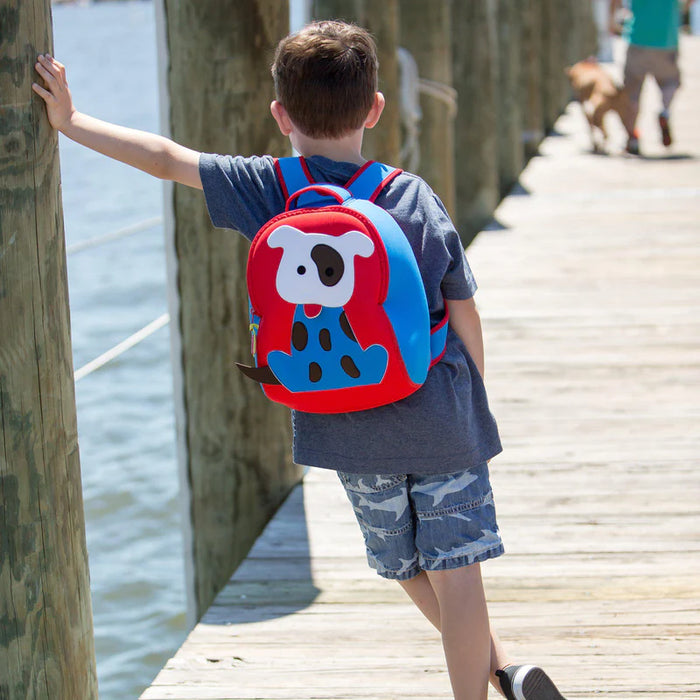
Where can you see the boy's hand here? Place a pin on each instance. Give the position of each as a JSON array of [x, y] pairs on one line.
[[56, 95]]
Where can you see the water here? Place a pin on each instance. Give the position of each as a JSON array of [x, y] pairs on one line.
[[125, 412]]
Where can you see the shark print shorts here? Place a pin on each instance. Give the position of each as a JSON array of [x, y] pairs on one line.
[[413, 523]]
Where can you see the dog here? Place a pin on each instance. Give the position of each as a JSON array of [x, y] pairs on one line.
[[598, 95]]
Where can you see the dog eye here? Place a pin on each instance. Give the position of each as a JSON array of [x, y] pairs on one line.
[[329, 272], [301, 270]]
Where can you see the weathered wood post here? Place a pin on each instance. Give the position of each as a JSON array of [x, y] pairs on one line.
[[567, 36], [510, 147], [425, 33], [558, 32], [234, 444], [586, 32], [46, 636], [475, 62], [381, 19], [531, 80]]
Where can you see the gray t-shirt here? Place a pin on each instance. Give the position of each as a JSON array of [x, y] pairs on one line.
[[446, 425]]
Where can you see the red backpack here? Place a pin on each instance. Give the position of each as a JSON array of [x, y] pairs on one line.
[[339, 318]]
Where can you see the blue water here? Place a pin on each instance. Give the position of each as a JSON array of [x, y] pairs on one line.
[[125, 411]]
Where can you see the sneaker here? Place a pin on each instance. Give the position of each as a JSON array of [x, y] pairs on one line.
[[665, 130], [527, 683]]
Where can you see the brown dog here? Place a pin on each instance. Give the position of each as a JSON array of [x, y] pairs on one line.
[[598, 94]]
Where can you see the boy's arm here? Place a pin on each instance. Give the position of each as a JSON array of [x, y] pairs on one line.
[[466, 322], [151, 153]]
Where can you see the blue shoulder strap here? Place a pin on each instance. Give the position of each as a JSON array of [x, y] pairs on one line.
[[371, 179], [293, 175], [367, 183]]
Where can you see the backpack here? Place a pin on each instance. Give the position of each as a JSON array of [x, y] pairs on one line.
[[339, 318]]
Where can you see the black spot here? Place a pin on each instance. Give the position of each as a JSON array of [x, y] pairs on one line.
[[346, 328], [324, 337], [300, 336], [349, 367], [301, 270], [329, 263], [315, 372]]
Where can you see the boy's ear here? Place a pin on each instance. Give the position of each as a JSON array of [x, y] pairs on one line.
[[280, 115], [375, 111]]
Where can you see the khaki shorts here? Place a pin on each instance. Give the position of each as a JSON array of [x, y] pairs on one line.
[[662, 64]]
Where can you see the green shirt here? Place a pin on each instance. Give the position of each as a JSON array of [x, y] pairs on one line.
[[655, 24]]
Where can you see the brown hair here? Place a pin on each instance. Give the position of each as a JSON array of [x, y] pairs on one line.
[[326, 78]]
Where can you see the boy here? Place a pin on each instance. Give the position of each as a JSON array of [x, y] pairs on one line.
[[420, 487]]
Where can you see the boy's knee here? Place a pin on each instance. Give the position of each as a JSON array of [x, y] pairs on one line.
[[458, 578]]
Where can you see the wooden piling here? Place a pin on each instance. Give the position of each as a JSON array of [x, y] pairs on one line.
[[234, 444], [426, 35], [475, 63], [508, 104], [46, 635], [531, 76], [567, 37], [381, 19]]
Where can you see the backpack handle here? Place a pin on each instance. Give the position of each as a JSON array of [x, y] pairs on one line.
[[340, 195]]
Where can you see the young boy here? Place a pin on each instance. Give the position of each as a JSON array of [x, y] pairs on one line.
[[420, 487]]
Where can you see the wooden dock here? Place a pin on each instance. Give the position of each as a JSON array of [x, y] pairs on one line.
[[590, 298]]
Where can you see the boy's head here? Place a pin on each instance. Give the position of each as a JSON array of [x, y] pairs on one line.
[[326, 78]]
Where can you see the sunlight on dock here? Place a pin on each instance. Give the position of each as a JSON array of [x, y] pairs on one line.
[[591, 307]]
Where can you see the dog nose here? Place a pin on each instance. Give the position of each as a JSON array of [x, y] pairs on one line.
[[329, 263]]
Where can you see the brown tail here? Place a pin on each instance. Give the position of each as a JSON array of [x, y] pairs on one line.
[[263, 375]]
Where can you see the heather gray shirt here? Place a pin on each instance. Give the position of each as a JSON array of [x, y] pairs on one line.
[[446, 425]]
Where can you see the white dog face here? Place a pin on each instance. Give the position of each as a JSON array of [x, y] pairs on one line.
[[317, 268]]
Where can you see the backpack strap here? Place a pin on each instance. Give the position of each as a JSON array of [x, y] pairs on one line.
[[293, 175], [438, 338], [367, 183], [371, 179]]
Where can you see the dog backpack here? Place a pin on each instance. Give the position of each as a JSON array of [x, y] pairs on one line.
[[339, 318]]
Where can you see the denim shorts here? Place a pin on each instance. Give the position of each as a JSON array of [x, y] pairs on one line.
[[413, 523]]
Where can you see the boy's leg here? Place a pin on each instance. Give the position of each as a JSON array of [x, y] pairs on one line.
[[421, 592], [464, 626]]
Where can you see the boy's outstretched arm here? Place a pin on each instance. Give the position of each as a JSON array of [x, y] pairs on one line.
[[151, 153]]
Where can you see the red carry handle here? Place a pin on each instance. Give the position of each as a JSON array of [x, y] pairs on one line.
[[338, 193]]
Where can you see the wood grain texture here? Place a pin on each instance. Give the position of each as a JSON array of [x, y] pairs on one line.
[[474, 37], [510, 118], [531, 86], [427, 36], [46, 639]]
